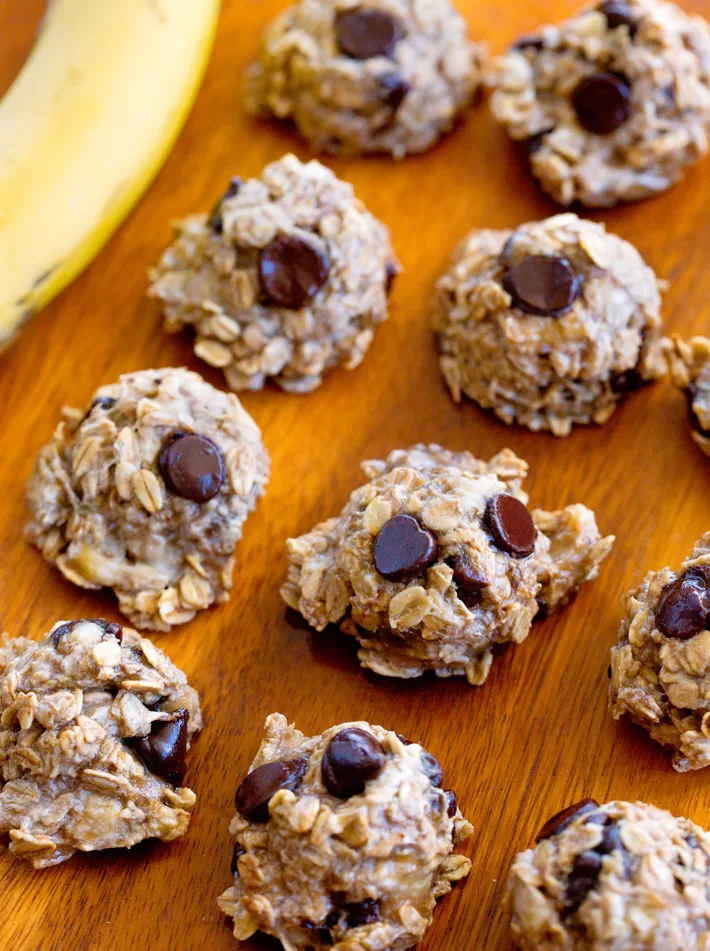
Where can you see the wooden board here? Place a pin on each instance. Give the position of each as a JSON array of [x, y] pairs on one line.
[[537, 736]]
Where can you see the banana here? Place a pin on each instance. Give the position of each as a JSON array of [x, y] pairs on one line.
[[83, 130]]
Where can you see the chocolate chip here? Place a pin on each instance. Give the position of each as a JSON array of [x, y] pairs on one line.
[[352, 758], [536, 142], [432, 768], [469, 582], [403, 739], [322, 934], [626, 382], [602, 102], [163, 750], [511, 526], [559, 822], [529, 43], [108, 628], [542, 284], [253, 795], [105, 402], [395, 89], [362, 913], [611, 840], [215, 219], [192, 466], [684, 605], [292, 271], [582, 880], [692, 841], [62, 631], [364, 33], [451, 804], [618, 13], [608, 671], [391, 272], [403, 548], [236, 855]]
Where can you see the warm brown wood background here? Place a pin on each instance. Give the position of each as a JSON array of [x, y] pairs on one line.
[[537, 736]]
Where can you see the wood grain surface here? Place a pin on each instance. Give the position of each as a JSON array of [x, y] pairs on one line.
[[537, 736]]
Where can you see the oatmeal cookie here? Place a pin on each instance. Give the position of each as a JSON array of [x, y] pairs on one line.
[[436, 560], [550, 325], [287, 277], [689, 363], [660, 667], [614, 104], [380, 76], [343, 840], [146, 491], [624, 876], [95, 725]]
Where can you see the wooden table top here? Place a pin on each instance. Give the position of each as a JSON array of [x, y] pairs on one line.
[[537, 736]]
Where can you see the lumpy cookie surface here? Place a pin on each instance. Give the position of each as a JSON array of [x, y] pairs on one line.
[[689, 364], [660, 667], [614, 103], [287, 277], [378, 76], [436, 560], [94, 727], [617, 877], [343, 840], [550, 325], [146, 491]]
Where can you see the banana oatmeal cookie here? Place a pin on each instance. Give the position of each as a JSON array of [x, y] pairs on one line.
[[550, 325], [342, 841], [614, 104], [437, 559], [373, 76], [660, 668], [689, 363], [287, 277], [146, 491], [95, 725], [624, 876]]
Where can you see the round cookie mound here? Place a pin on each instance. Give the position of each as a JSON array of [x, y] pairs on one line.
[[618, 877], [550, 325], [146, 491], [614, 103], [343, 840], [96, 722], [660, 667], [377, 76], [689, 363], [437, 559], [286, 278]]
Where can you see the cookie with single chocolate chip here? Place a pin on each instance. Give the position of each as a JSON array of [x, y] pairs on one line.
[[342, 840], [381, 76], [689, 364], [550, 325], [622, 876], [437, 559], [288, 277], [146, 491], [614, 103], [95, 726], [660, 667]]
